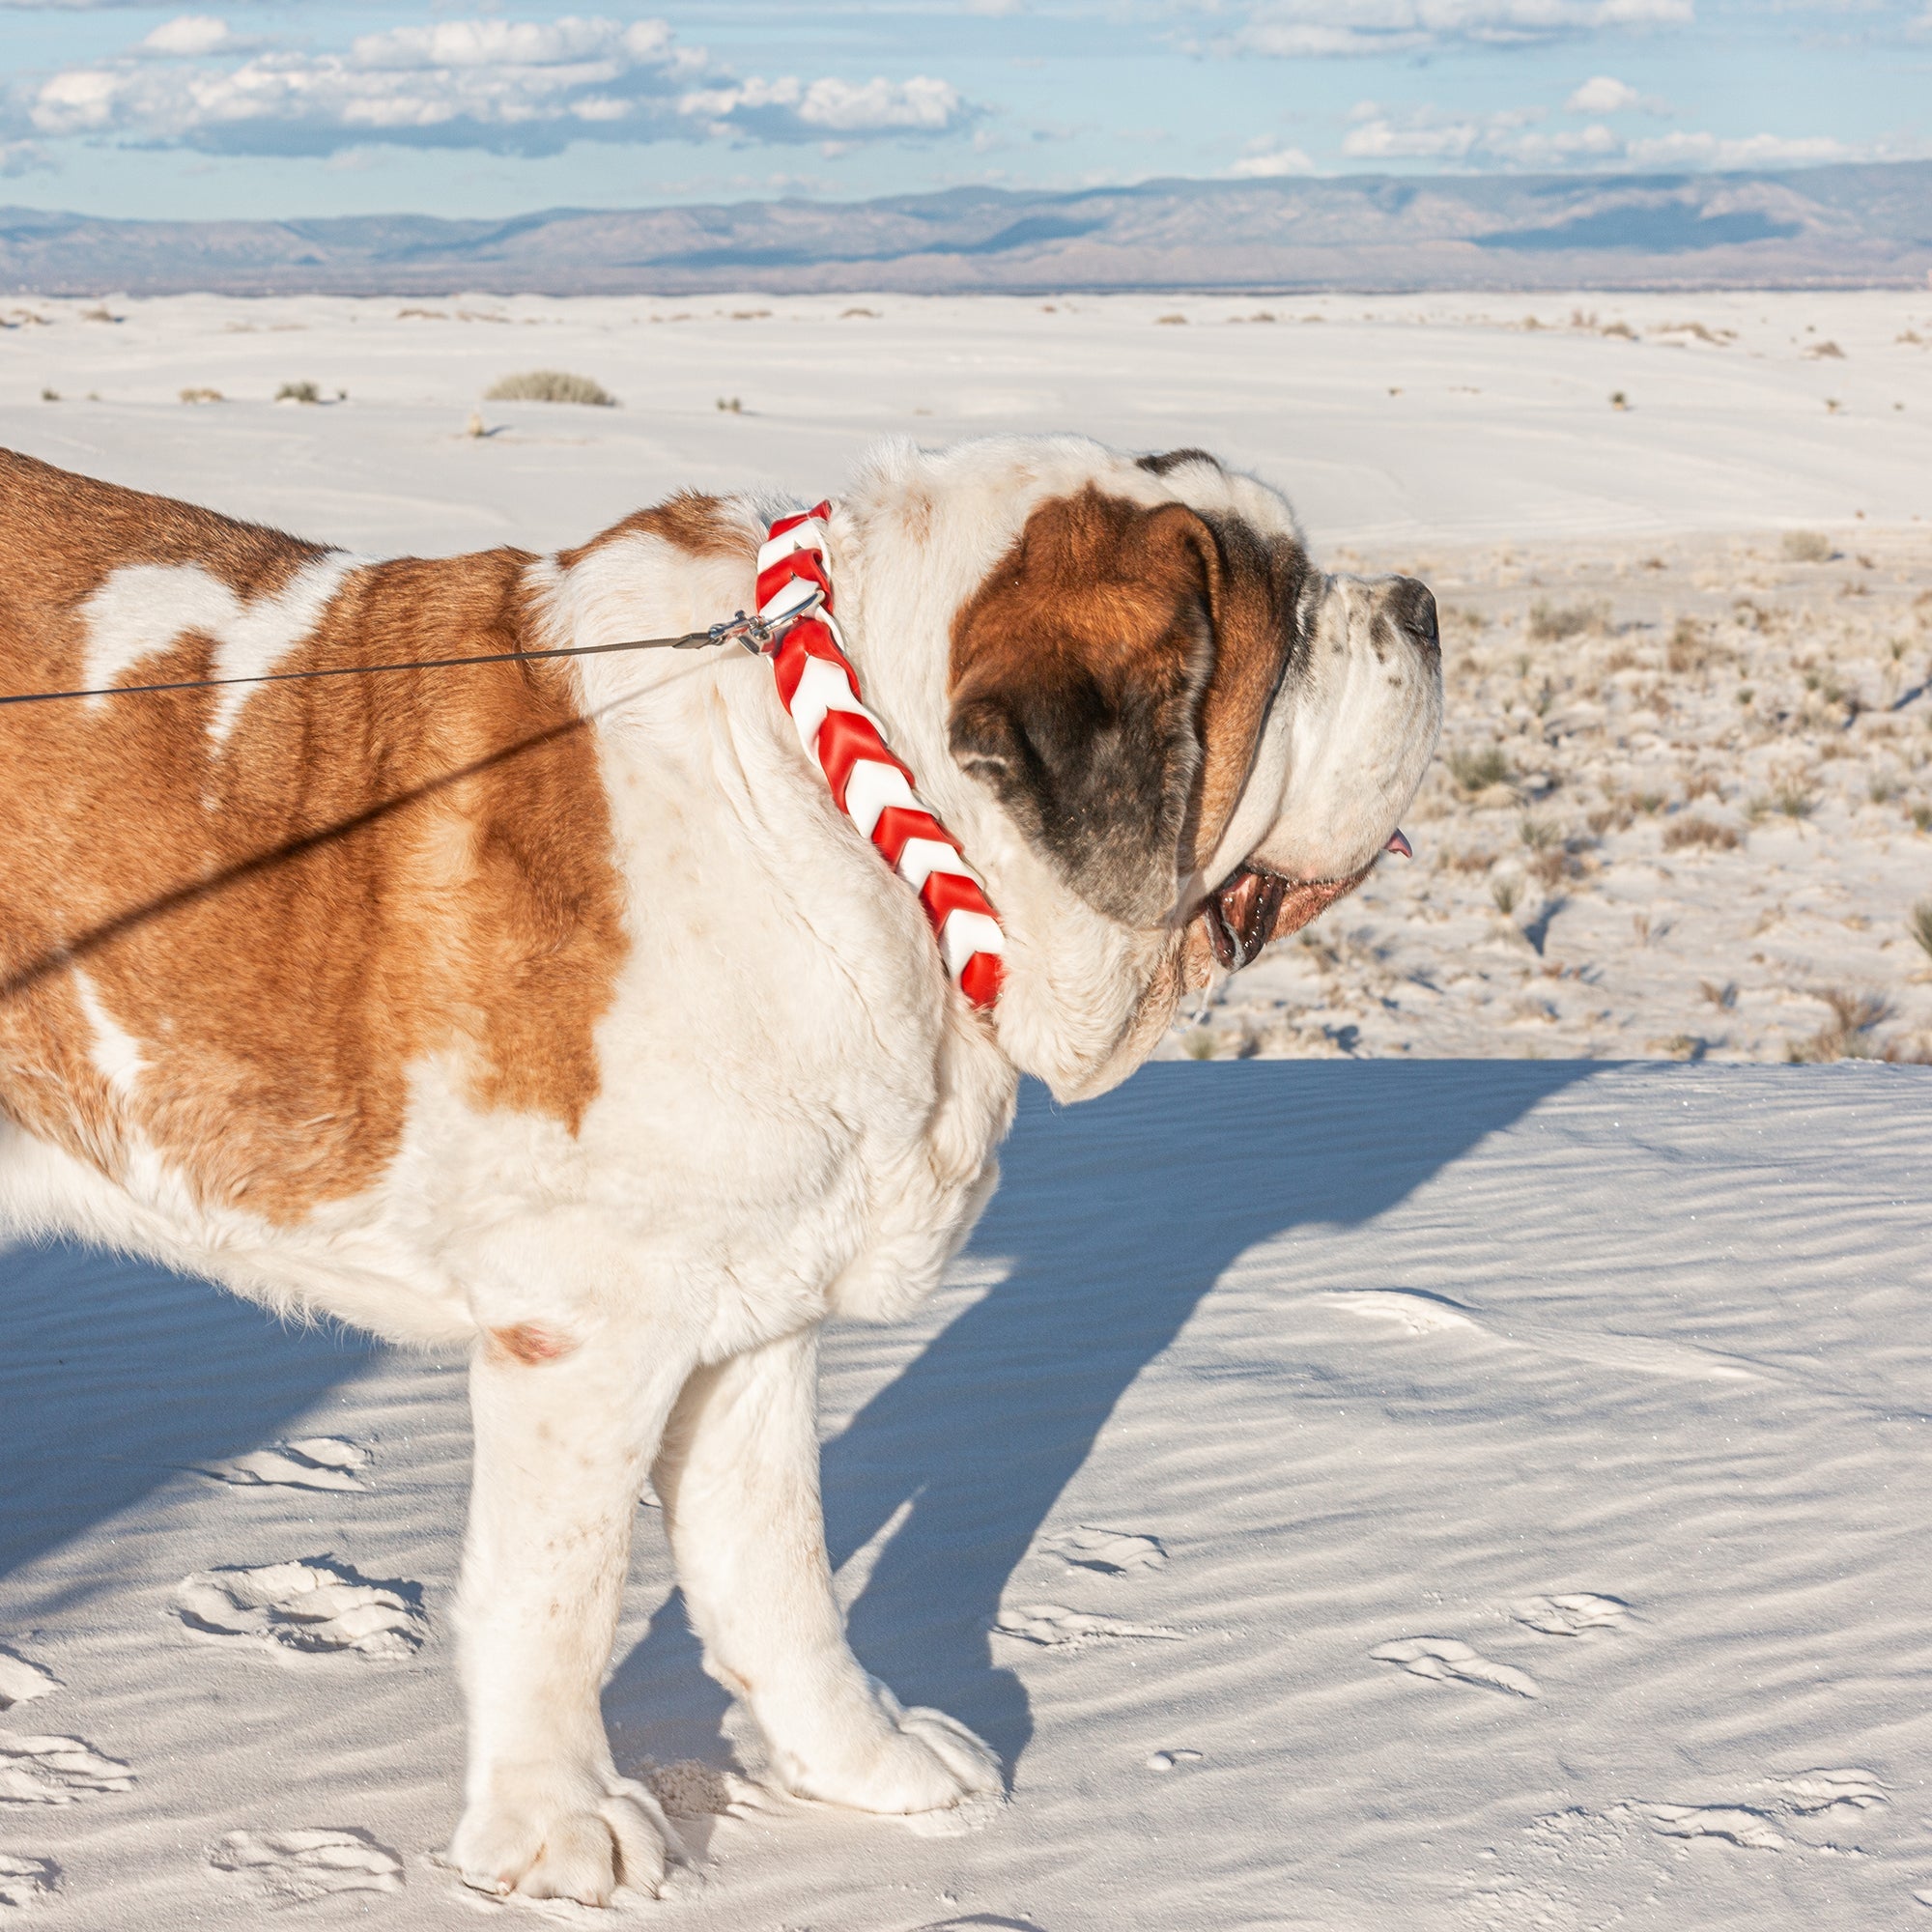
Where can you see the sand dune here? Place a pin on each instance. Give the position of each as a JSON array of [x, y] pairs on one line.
[[1469, 1496]]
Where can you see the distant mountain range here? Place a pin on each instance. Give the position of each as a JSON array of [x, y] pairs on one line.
[[1835, 227]]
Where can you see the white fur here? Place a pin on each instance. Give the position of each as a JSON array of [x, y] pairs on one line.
[[798, 1117], [115, 1052], [144, 607]]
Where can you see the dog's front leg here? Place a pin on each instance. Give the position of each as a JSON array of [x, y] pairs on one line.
[[738, 1478], [563, 1439]]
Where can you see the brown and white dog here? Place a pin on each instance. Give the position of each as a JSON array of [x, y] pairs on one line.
[[552, 1008]]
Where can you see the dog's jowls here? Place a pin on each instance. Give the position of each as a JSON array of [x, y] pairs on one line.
[[554, 1010]]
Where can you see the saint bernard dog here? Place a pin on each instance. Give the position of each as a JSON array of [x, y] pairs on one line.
[[554, 1010]]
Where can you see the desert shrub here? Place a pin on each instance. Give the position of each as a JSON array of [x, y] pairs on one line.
[[194, 395], [1685, 831], [299, 392], [1170, 321], [1847, 1034], [1506, 891], [550, 385], [1547, 622], [1806, 546], [1478, 771], [1692, 648], [1550, 866], [1920, 925]]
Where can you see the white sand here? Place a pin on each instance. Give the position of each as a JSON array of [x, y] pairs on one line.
[[1512, 1480], [1374, 1497]]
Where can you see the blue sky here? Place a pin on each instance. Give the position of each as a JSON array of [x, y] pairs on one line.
[[253, 107]]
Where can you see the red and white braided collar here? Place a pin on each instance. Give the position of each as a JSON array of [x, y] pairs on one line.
[[820, 690]]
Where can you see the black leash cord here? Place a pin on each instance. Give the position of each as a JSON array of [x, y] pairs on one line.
[[753, 632]]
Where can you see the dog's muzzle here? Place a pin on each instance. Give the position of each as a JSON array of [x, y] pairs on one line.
[[1256, 906]]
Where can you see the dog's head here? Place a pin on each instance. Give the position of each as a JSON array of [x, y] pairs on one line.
[[1199, 739]]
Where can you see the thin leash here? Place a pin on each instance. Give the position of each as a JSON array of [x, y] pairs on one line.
[[759, 636]]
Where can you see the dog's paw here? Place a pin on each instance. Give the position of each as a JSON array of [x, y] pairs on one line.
[[563, 1835], [898, 1763]]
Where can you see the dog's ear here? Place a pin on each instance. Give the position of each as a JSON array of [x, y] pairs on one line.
[[1088, 683]]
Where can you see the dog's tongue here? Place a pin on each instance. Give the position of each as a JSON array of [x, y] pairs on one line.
[[1255, 907]]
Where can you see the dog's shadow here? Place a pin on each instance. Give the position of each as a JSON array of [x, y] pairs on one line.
[[1115, 1219], [117, 1373]]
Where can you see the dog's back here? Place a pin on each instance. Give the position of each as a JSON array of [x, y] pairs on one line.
[[231, 919]]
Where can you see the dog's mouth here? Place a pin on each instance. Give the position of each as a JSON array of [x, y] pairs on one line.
[[1256, 905]]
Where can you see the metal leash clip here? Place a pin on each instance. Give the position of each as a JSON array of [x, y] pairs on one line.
[[758, 634]]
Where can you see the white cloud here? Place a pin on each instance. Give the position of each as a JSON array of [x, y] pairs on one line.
[[517, 86], [1317, 28], [1271, 162], [1519, 138], [1688, 149], [1601, 94], [832, 106]]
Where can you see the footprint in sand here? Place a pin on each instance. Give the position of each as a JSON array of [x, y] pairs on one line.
[[1735, 1824], [693, 1789], [1053, 1627], [1113, 1552], [1815, 1793], [1572, 1614], [1445, 1659], [310, 1463], [290, 1867], [25, 1883], [303, 1609], [55, 1771], [21, 1682]]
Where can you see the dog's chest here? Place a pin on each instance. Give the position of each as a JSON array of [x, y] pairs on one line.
[[797, 1108]]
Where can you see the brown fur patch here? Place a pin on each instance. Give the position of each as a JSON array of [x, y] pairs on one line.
[[1110, 678], [689, 521], [526, 1343], [366, 875]]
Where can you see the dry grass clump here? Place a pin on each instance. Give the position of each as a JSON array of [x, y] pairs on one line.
[[1479, 771], [550, 385], [297, 392], [1806, 546], [195, 395], [1848, 1034], [1692, 647], [1548, 622], [1919, 925], [1681, 833], [1793, 799]]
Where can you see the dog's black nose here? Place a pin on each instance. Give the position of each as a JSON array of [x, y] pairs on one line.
[[1412, 605]]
